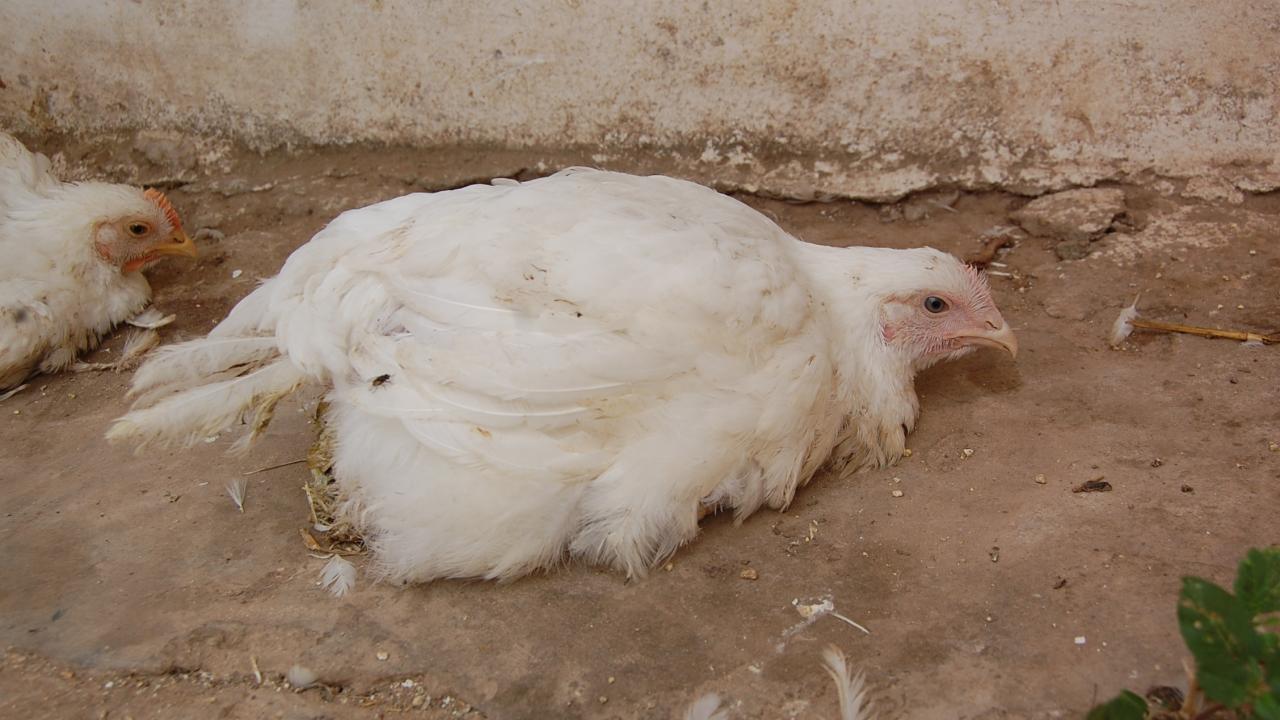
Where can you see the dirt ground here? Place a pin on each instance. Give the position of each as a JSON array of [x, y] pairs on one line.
[[132, 587]]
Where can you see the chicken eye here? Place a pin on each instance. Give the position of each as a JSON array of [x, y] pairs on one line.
[[935, 304], [139, 229]]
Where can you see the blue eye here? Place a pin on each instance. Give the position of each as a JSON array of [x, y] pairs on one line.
[[935, 304]]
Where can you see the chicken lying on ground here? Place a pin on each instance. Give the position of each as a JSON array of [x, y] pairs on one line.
[[576, 365], [71, 260]]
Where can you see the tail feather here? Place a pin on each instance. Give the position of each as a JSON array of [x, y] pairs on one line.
[[193, 362], [193, 414]]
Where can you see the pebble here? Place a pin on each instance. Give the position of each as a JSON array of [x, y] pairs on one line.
[[406, 684], [906, 453], [612, 679], [1080, 640], [967, 452], [896, 493], [1273, 447], [382, 655], [236, 273], [749, 574], [603, 699], [1041, 479]]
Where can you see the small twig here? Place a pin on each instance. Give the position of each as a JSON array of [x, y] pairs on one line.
[[841, 617], [257, 674], [1192, 702], [1204, 331], [275, 467], [983, 257], [1210, 711]]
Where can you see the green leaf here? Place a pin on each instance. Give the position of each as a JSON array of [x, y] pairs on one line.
[[1258, 581], [1125, 706], [1218, 629], [1267, 707]]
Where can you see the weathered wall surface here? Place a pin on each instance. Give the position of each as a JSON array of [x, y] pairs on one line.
[[871, 99]]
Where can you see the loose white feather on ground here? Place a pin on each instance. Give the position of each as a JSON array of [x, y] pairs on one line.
[[1122, 328], [236, 490], [851, 689], [338, 576]]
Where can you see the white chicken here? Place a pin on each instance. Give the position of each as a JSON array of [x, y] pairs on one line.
[[579, 365], [71, 256]]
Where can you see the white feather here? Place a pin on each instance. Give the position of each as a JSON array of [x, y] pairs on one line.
[[194, 362], [191, 415], [850, 689], [706, 707], [1123, 326], [151, 319], [338, 576], [236, 489]]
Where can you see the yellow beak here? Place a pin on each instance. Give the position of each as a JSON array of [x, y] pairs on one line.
[[997, 337], [180, 245]]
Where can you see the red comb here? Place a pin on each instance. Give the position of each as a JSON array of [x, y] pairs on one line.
[[165, 206]]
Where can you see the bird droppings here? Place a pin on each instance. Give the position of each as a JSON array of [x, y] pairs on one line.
[[966, 453], [1080, 640]]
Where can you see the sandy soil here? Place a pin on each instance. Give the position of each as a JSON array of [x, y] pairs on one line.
[[133, 588]]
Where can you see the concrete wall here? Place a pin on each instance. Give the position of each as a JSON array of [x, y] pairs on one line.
[[866, 98]]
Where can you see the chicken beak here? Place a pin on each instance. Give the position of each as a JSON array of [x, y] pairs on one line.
[[179, 244], [1000, 336]]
